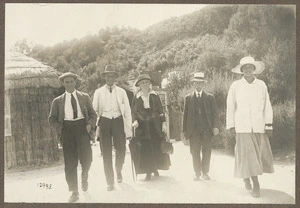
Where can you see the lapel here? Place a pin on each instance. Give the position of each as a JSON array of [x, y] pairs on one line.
[[206, 103], [192, 103], [118, 96], [80, 100]]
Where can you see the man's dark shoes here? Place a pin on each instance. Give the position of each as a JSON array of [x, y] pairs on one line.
[[248, 185], [148, 177], [205, 176], [119, 177], [156, 173], [84, 186], [110, 187], [74, 197]]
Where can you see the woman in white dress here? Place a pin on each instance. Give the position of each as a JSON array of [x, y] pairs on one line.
[[249, 117]]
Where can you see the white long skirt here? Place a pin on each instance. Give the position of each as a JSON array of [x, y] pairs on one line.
[[253, 155]]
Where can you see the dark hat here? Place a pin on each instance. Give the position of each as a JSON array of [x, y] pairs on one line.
[[67, 74], [142, 77], [109, 69]]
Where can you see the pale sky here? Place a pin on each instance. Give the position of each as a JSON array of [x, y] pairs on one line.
[[48, 24]]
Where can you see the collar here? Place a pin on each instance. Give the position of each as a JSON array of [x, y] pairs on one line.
[[73, 93], [195, 93], [254, 81], [140, 93], [113, 86]]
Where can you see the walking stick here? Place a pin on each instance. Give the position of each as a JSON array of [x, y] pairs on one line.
[[132, 162]]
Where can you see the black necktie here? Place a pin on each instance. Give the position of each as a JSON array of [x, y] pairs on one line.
[[74, 106], [110, 89]]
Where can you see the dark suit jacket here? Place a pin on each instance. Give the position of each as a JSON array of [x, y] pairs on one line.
[[57, 112], [211, 113]]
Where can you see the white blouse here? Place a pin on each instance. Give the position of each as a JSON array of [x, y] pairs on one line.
[[248, 106]]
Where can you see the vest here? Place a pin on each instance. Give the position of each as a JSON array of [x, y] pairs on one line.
[[201, 124]]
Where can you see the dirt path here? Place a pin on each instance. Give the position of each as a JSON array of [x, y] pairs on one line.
[[173, 186]]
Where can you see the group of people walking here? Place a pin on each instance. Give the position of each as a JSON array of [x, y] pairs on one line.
[[76, 117]]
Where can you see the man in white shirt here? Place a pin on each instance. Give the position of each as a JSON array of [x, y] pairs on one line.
[[249, 117], [114, 121], [73, 117]]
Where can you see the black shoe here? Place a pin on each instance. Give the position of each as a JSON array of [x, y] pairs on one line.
[[74, 197], [110, 187], [84, 186], [197, 178], [156, 173], [248, 185], [148, 177], [205, 176], [119, 177], [256, 191]]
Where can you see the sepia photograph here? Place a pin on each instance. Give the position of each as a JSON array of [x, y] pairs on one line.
[[149, 103]]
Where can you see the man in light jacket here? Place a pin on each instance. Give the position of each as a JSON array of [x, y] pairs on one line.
[[114, 121]]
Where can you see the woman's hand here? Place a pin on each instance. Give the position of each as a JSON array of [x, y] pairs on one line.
[[135, 124], [164, 127], [88, 128]]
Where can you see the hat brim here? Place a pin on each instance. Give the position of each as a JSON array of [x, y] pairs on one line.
[[62, 77], [137, 82], [259, 67], [199, 80]]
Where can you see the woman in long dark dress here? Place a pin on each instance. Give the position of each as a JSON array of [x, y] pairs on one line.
[[148, 116]]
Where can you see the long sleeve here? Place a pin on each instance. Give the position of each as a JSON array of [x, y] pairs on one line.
[[96, 102], [91, 112], [230, 113], [127, 115], [185, 112], [215, 111], [268, 111]]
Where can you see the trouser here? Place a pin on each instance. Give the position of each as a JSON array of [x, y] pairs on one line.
[[112, 132], [76, 145], [197, 144]]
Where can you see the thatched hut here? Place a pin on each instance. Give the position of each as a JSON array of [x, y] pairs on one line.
[[30, 87]]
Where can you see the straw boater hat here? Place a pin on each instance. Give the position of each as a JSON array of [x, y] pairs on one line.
[[198, 77], [109, 69], [259, 66], [142, 77], [67, 74]]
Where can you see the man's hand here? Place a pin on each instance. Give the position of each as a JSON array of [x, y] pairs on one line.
[[232, 131], [88, 128], [215, 131], [135, 124], [129, 138], [269, 132]]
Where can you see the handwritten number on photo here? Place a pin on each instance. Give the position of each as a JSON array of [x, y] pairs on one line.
[[44, 185]]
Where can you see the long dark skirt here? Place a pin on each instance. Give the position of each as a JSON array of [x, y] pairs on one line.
[[149, 156]]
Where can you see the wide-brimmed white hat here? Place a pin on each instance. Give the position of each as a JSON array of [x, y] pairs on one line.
[[259, 65], [198, 77]]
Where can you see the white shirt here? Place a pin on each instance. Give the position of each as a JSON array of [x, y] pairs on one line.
[[145, 98], [248, 106], [68, 107], [198, 93], [111, 108]]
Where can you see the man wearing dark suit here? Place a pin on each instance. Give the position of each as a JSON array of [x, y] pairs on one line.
[[73, 117], [200, 124]]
